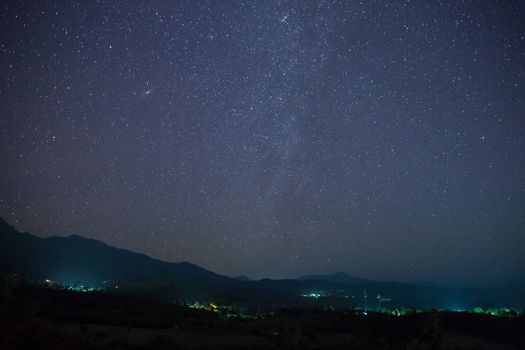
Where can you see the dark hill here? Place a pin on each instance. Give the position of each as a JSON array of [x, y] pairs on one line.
[[242, 278], [76, 260]]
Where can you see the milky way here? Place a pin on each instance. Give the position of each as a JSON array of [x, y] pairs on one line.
[[272, 139]]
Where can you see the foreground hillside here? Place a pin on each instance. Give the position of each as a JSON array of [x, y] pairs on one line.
[[33, 316]]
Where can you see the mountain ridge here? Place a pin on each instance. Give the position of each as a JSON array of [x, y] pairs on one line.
[[77, 260]]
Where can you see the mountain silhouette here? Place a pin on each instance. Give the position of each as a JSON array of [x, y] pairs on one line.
[[75, 261]]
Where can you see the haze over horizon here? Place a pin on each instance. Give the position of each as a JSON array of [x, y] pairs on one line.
[[272, 139], [321, 274]]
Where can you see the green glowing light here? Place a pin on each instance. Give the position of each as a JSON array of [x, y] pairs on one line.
[[499, 312], [313, 295]]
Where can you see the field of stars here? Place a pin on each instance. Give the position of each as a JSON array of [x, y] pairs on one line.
[[384, 139]]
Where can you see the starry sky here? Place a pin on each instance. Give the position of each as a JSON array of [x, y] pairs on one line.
[[384, 139]]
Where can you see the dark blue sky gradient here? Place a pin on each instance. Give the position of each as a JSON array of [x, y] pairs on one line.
[[272, 139]]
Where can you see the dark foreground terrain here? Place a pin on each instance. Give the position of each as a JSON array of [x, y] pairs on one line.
[[38, 317]]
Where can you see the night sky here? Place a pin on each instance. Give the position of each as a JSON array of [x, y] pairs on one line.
[[272, 139]]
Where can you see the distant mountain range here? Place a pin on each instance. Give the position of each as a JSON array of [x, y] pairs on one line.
[[339, 277], [75, 260]]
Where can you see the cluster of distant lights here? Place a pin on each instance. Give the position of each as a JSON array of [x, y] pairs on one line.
[[321, 294], [224, 310], [499, 312], [401, 311], [312, 295], [76, 288]]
